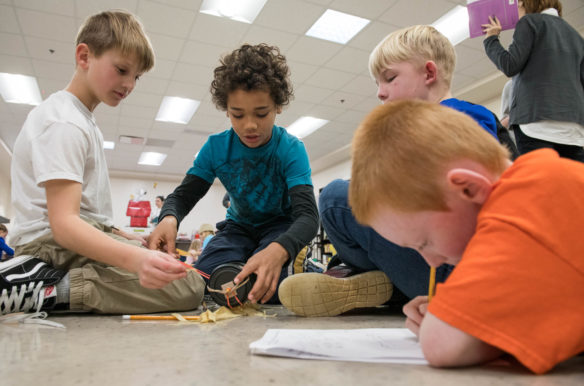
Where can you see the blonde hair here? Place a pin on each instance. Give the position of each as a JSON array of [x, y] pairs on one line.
[[117, 29], [402, 149], [418, 43], [196, 244]]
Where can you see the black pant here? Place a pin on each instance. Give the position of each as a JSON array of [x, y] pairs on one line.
[[525, 144]]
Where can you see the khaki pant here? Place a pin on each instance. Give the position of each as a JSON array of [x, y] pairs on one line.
[[101, 288]]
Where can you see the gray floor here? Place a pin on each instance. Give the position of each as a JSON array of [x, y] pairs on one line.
[[104, 350]]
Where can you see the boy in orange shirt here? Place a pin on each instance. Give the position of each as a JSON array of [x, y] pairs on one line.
[[429, 178]]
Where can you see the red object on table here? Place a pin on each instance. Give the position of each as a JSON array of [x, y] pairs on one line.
[[139, 211]]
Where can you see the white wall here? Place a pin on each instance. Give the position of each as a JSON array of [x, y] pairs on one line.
[[322, 178], [209, 210]]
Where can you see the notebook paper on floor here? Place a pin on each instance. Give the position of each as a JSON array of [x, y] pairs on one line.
[[480, 10], [383, 345]]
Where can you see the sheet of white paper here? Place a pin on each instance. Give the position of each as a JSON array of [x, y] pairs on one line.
[[385, 345]]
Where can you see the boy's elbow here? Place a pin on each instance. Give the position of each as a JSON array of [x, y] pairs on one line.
[[447, 346]]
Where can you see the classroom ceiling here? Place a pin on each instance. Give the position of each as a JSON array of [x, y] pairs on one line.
[[331, 80]]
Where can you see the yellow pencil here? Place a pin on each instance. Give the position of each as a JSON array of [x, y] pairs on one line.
[[432, 284], [157, 317]]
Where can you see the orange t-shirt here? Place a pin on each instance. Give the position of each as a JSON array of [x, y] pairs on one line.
[[520, 283]]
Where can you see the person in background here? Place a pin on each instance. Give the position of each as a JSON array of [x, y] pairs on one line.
[[158, 202], [6, 251], [206, 233], [194, 251], [546, 61]]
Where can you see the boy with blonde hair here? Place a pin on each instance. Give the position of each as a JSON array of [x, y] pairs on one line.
[[459, 200], [412, 63], [69, 252]]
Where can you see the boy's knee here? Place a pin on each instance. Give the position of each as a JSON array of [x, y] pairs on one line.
[[334, 194]]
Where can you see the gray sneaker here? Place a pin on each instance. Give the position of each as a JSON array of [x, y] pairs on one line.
[[27, 284]]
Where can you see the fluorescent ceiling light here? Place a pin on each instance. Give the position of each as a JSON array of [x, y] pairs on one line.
[[337, 26], [304, 126], [151, 158], [244, 11], [454, 25], [178, 110], [109, 145], [16, 88]]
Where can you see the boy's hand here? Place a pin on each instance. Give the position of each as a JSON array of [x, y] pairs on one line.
[[164, 235], [139, 238], [156, 269], [415, 311], [493, 28], [267, 265]]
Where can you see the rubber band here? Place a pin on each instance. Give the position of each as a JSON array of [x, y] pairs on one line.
[[228, 292]]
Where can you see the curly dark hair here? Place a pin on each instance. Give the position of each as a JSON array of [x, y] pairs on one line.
[[258, 67]]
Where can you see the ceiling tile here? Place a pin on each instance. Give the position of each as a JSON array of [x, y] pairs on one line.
[[56, 71], [370, 9], [202, 53], [193, 73], [35, 23], [15, 64], [312, 51], [361, 85], [166, 20], [8, 22], [257, 34], [41, 49], [312, 94], [299, 15], [411, 12], [331, 79], [60, 7], [166, 47], [349, 59], [226, 32], [371, 35], [86, 8], [12, 44]]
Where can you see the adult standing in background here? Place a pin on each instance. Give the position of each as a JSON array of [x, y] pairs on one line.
[[547, 59], [158, 202]]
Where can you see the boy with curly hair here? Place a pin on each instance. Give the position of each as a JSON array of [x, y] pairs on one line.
[[265, 170], [69, 252], [511, 229]]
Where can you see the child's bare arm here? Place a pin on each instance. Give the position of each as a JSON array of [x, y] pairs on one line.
[[154, 268], [447, 346]]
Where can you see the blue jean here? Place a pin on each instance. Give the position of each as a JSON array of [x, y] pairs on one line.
[[362, 248], [238, 242]]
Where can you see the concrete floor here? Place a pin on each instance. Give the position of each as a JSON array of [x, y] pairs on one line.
[[104, 350]]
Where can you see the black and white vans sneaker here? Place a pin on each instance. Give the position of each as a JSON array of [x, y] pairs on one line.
[[27, 284]]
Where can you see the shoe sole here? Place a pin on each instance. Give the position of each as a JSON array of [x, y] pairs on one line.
[[317, 294]]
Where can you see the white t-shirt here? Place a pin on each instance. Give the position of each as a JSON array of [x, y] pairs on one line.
[[59, 140]]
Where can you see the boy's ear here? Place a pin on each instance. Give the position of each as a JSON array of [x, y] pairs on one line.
[[82, 53], [469, 185], [431, 71], [278, 109]]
